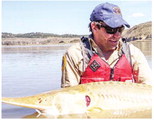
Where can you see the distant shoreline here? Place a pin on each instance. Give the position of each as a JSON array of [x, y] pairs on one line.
[[46, 41], [38, 41]]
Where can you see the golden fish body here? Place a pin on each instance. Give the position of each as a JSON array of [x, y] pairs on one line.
[[104, 99]]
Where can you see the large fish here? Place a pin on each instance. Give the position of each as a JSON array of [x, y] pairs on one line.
[[98, 99]]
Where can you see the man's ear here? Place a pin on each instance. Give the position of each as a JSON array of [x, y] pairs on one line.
[[93, 26]]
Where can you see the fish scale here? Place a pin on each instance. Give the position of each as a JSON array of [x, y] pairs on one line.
[[96, 100]]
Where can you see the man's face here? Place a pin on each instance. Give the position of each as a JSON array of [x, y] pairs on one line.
[[106, 38]]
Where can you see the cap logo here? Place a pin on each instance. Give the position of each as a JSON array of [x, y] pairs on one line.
[[117, 10]]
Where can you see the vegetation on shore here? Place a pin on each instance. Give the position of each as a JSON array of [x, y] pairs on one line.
[[37, 35], [141, 32]]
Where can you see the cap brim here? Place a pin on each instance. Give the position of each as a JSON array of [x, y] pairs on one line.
[[116, 22]]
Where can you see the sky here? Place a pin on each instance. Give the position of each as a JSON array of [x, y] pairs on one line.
[[65, 17]]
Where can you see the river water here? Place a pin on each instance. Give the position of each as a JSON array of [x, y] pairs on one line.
[[29, 70]]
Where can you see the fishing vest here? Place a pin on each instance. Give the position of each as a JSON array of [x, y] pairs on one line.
[[98, 70]]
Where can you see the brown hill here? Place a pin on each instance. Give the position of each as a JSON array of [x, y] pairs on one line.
[[142, 32]]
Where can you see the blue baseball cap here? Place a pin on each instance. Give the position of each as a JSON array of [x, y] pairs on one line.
[[108, 13]]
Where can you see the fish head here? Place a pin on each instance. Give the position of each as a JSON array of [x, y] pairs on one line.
[[67, 103]]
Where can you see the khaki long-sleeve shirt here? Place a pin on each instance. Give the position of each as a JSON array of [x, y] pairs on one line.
[[74, 63]]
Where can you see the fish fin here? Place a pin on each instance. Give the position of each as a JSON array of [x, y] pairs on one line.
[[39, 113]]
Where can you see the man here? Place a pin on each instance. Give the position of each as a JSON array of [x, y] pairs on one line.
[[104, 55]]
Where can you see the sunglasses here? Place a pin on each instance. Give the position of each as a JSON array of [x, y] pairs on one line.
[[110, 30]]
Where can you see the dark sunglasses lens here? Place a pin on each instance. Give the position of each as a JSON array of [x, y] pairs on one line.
[[110, 30], [113, 30]]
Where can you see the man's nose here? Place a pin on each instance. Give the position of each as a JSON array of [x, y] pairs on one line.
[[117, 34]]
